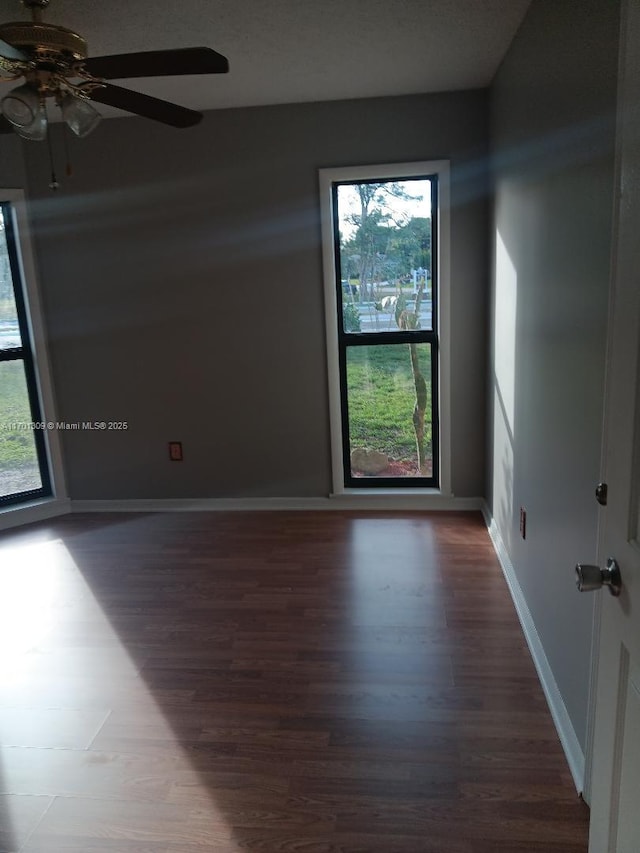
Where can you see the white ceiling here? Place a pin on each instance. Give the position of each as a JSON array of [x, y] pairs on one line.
[[283, 51]]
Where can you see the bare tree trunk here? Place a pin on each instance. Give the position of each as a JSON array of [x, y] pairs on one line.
[[410, 320], [419, 408]]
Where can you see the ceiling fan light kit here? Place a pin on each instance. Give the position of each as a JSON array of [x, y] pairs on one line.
[[22, 105], [79, 115], [55, 65], [26, 112]]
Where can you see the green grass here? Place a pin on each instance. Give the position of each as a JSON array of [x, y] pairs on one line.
[[17, 447], [382, 397]]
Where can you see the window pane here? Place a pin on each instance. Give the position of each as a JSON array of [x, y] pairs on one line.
[[19, 469], [381, 403], [9, 331], [385, 255]]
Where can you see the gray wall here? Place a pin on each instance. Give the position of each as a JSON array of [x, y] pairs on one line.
[[552, 128], [12, 166], [182, 282]]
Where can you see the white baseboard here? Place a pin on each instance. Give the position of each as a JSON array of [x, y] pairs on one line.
[[40, 510], [368, 501], [566, 732]]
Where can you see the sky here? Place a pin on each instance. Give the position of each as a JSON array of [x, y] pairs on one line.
[[420, 205]]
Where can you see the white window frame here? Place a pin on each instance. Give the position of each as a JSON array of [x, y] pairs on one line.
[[388, 171], [57, 502]]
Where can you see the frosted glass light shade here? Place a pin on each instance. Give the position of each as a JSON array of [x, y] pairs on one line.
[[79, 115], [22, 105], [37, 130]]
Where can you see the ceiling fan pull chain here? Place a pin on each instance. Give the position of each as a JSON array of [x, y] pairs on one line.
[[54, 181], [65, 138]]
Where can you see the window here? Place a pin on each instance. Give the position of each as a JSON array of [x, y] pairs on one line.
[[24, 470], [383, 254]]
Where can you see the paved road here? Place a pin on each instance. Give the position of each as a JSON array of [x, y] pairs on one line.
[[9, 334], [383, 321]]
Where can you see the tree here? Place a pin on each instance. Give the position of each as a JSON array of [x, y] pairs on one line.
[[409, 320], [370, 248], [411, 243]]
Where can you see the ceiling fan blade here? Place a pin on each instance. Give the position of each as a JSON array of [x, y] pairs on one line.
[[146, 106], [8, 51], [158, 63]]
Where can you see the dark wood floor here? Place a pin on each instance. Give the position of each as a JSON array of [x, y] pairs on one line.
[[276, 682]]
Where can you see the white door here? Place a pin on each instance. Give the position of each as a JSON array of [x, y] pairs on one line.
[[615, 774]]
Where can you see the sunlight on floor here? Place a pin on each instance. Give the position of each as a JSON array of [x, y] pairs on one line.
[[71, 695], [397, 607], [26, 605], [379, 586]]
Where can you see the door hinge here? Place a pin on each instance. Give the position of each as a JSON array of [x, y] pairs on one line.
[[601, 493]]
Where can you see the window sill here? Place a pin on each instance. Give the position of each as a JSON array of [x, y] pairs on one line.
[[408, 492], [37, 510], [403, 499]]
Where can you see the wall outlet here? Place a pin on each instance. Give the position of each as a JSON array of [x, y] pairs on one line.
[[523, 522], [175, 451]]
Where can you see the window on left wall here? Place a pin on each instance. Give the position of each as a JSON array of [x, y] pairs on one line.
[[24, 467]]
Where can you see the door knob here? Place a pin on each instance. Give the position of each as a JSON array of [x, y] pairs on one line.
[[589, 578]]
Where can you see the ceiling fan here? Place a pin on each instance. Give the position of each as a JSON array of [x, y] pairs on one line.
[[55, 65]]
